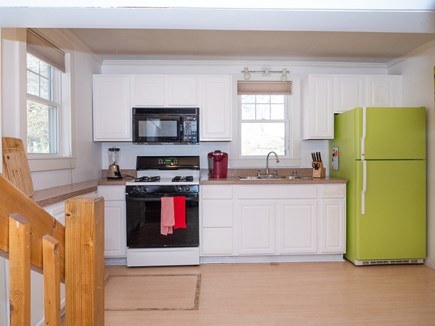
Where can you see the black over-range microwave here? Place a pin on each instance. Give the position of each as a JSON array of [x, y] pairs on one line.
[[166, 125]]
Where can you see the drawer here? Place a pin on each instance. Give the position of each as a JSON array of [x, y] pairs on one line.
[[112, 192], [217, 241], [217, 213], [276, 191], [217, 192], [332, 191]]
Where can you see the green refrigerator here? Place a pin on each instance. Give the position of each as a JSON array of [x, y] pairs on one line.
[[382, 154]]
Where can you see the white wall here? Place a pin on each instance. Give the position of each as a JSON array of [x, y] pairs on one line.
[[418, 85], [86, 155], [298, 70]]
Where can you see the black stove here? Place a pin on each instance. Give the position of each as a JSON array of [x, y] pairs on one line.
[[187, 178], [147, 179]]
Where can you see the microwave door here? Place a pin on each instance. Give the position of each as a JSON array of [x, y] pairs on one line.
[[159, 129]]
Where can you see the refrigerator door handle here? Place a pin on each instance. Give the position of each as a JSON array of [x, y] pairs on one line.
[[364, 188], [364, 132]]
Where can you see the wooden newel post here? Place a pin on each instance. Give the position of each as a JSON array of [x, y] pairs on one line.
[[84, 261]]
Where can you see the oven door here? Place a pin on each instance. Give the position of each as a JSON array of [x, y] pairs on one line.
[[157, 128], [143, 223]]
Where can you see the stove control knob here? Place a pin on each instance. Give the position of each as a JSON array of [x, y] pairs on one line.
[[179, 188], [186, 188]]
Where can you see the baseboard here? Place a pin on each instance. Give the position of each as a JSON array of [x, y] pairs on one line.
[[115, 261], [272, 259], [430, 262]]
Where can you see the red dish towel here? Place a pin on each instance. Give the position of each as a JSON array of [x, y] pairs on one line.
[[180, 212], [167, 217]]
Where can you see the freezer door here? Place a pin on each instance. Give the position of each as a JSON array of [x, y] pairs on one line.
[[392, 225], [391, 133]]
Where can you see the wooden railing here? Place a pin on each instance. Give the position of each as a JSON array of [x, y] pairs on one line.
[[32, 239]]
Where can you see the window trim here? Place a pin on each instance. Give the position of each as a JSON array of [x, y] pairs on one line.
[[64, 159], [286, 121], [292, 159]]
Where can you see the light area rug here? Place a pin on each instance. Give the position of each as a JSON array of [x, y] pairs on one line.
[[152, 292]]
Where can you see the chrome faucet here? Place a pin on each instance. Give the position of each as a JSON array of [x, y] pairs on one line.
[[267, 160]]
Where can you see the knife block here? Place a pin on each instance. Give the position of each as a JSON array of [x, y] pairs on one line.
[[318, 170]]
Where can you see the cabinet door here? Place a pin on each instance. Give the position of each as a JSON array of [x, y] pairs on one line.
[[111, 108], [114, 229], [256, 227], [149, 91], [348, 92], [319, 115], [182, 91], [332, 226], [383, 91], [297, 227], [215, 108]]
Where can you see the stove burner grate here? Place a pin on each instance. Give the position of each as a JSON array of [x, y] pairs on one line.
[[178, 178], [147, 179]]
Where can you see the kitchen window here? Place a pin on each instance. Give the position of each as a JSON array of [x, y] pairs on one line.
[[263, 125], [267, 119], [48, 118]]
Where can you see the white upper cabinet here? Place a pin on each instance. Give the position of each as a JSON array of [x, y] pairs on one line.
[[383, 91], [149, 91], [160, 90], [182, 90], [112, 108], [115, 95], [348, 92], [318, 117], [329, 94], [215, 108]]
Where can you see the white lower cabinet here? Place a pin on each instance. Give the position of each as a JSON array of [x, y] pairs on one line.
[[273, 220], [332, 226], [115, 245], [216, 211], [256, 226], [297, 226]]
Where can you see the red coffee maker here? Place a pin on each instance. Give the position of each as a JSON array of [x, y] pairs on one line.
[[217, 164]]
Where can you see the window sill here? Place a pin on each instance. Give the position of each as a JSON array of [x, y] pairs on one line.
[[38, 164]]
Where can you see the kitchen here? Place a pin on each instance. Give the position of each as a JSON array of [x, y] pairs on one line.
[[91, 157]]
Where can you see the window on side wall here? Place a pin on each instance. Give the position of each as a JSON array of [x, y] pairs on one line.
[[267, 120], [47, 116], [44, 107]]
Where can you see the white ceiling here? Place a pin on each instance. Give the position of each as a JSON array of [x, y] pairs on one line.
[[368, 35]]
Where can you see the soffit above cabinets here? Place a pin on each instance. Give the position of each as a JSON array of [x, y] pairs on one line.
[[359, 34], [207, 44]]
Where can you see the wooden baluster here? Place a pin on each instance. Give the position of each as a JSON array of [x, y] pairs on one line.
[[51, 280], [19, 270]]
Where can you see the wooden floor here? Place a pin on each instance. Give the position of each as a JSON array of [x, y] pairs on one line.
[[294, 294]]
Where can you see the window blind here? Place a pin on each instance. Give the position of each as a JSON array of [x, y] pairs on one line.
[[41, 48], [262, 88]]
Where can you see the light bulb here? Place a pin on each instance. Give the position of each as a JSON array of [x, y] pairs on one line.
[[246, 74], [284, 75]]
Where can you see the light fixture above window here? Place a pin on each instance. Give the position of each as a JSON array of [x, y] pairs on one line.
[[266, 71]]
